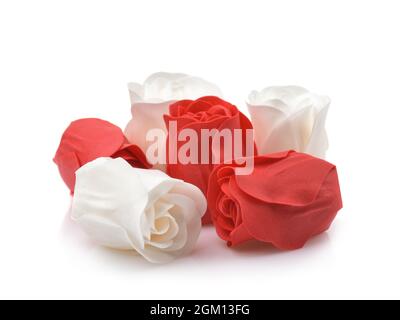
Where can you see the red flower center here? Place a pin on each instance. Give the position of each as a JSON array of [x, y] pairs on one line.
[[229, 215]]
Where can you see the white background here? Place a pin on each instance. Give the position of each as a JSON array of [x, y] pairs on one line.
[[64, 60]]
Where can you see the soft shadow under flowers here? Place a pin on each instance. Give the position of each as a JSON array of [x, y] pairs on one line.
[[210, 249], [257, 248]]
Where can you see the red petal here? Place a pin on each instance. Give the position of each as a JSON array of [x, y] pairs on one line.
[[289, 227], [133, 155], [289, 198], [295, 180], [86, 140]]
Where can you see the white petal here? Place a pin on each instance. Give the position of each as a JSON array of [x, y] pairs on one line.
[[264, 119], [156, 182], [135, 92], [193, 193], [110, 190], [186, 213], [162, 208], [289, 118], [163, 86], [189, 206], [284, 98], [162, 225], [319, 144], [147, 222], [105, 232], [145, 117], [184, 242], [166, 233]]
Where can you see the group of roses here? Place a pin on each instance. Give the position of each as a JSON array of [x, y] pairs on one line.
[[157, 210]]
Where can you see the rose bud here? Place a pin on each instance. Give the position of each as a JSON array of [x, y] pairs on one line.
[[289, 118], [143, 211], [200, 117], [88, 139], [289, 198]]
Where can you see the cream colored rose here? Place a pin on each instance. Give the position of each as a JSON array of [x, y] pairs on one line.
[[151, 101], [146, 211], [289, 118]]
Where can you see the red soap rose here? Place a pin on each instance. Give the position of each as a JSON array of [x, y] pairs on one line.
[[205, 113], [88, 139], [288, 198]]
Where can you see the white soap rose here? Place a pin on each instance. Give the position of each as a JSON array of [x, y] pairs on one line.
[[150, 101], [289, 118], [126, 208]]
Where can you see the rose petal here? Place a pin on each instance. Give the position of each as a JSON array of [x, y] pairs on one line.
[[83, 141], [146, 117], [105, 232], [318, 143], [111, 190], [284, 98], [287, 118], [295, 180], [289, 227]]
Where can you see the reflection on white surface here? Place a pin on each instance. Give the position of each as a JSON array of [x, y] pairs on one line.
[[210, 255]]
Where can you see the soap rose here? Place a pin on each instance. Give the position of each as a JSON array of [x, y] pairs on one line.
[[151, 101], [145, 211], [204, 113], [88, 139], [288, 198], [289, 118]]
